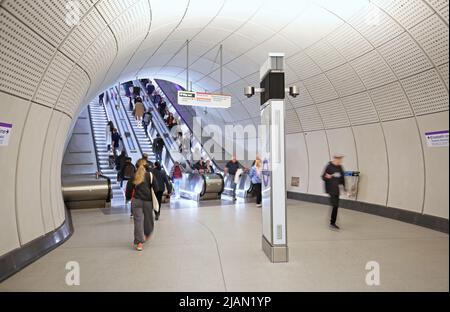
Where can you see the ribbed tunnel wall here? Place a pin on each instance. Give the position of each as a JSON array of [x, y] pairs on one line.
[[373, 79]]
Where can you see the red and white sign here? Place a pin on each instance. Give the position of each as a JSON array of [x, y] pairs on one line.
[[203, 99]]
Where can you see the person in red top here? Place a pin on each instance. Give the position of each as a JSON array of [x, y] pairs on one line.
[[177, 176], [171, 121]]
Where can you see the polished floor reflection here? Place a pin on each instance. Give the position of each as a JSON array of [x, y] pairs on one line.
[[216, 246]]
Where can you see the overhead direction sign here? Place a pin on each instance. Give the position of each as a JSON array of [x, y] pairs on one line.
[[204, 99]]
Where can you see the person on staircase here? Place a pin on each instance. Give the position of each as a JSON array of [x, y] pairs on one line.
[[158, 147], [139, 111]]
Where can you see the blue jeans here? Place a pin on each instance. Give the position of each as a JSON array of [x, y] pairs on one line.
[[176, 187]]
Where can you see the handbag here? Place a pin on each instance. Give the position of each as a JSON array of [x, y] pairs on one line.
[[154, 199]]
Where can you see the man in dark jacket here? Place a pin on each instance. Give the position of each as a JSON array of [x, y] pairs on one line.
[[231, 168], [333, 177], [158, 146], [161, 184]]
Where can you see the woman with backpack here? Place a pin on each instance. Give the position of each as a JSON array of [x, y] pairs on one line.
[[177, 176], [143, 200]]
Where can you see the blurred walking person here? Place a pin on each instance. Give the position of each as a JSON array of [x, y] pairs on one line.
[[333, 177], [256, 176]]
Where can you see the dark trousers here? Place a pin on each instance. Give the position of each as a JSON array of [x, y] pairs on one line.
[[159, 196], [334, 201], [258, 192], [158, 155]]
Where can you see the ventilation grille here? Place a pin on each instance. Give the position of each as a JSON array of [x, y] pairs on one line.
[[441, 6], [325, 55], [309, 118], [99, 56], [111, 9], [47, 18], [303, 66], [345, 80], [426, 93], [407, 12], [443, 69], [83, 36], [53, 81], [373, 70], [126, 31], [391, 102], [386, 28], [23, 58], [404, 56], [320, 89], [432, 34], [360, 109], [349, 42], [74, 91], [292, 123], [333, 114]]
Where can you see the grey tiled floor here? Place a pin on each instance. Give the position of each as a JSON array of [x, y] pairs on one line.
[[218, 248]]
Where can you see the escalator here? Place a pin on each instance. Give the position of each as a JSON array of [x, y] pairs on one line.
[[169, 92], [194, 186], [99, 118]]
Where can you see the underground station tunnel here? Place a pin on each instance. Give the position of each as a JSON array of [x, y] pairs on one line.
[[224, 146]]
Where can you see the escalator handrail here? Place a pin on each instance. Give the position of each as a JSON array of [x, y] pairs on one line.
[[158, 130], [161, 124], [187, 125], [129, 121], [93, 139]]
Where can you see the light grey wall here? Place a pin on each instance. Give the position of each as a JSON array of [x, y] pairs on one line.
[[400, 171]]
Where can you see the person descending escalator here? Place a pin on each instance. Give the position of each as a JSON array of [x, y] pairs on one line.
[[139, 111], [120, 160], [232, 168], [147, 120], [161, 185], [200, 166], [116, 138], [171, 121], [177, 176], [162, 108], [150, 88], [140, 191], [127, 171], [109, 131], [100, 99], [158, 146], [209, 167]]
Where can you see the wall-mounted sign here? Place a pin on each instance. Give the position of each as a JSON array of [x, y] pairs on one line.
[[203, 99], [5, 133], [295, 181], [437, 138]]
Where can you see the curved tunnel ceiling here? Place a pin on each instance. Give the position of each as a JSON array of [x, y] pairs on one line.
[[335, 50]]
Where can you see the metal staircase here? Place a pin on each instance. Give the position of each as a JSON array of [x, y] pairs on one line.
[[144, 142], [99, 120]]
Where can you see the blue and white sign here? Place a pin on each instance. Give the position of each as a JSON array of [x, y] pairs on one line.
[[5, 133], [437, 138]]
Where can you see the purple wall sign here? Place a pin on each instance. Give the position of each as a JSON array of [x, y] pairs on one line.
[[5, 133], [437, 138]]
